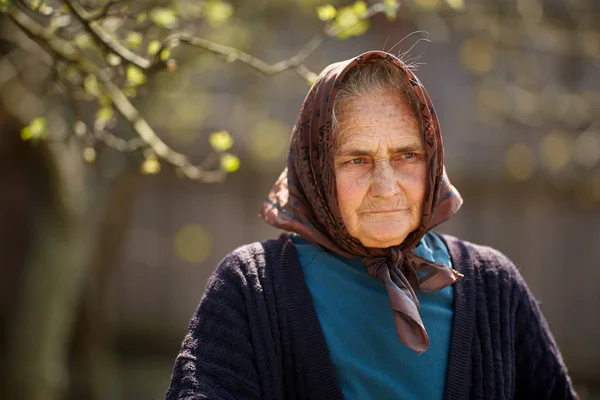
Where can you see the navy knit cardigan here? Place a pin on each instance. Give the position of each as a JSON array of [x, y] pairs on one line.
[[255, 334]]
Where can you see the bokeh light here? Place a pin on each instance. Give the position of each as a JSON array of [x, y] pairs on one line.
[[520, 161], [192, 243], [269, 143], [555, 151]]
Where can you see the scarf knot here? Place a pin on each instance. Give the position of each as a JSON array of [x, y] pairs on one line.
[[393, 259], [405, 304]]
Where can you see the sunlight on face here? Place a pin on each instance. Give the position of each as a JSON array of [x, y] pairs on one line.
[[380, 169]]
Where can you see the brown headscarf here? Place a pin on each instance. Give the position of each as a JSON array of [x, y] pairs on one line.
[[304, 200]]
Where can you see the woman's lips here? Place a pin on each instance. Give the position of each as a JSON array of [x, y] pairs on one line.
[[385, 211]]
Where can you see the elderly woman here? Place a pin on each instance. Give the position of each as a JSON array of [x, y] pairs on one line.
[[359, 299]]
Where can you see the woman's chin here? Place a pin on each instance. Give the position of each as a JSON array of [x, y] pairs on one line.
[[384, 235]]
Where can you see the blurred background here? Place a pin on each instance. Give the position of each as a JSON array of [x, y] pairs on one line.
[[138, 140]]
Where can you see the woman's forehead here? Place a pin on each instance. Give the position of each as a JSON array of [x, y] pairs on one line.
[[380, 102], [369, 117]]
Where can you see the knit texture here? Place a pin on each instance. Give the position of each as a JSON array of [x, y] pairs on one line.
[[255, 334]]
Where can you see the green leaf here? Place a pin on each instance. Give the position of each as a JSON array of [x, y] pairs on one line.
[[351, 20], [89, 154], [135, 76], [164, 17], [165, 54], [45, 9], [345, 18], [104, 101], [221, 140], [229, 162], [83, 40], [391, 9], [4, 4], [326, 12], [360, 28], [141, 17], [360, 9], [90, 85], [37, 129], [113, 59], [218, 11], [150, 166], [153, 47], [130, 92], [134, 39], [349, 23], [104, 114], [456, 4]]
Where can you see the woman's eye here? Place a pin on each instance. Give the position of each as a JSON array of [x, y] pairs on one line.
[[408, 156], [357, 161]]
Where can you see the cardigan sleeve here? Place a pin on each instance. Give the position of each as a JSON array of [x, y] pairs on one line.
[[216, 357], [540, 370]]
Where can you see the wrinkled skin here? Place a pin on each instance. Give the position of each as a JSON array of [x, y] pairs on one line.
[[380, 167]]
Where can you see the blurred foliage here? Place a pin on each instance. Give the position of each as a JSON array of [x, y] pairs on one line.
[[268, 143], [221, 140], [35, 130], [535, 65], [106, 54], [532, 62]]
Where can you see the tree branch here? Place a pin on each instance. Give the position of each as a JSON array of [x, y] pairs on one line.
[[102, 135], [103, 38], [230, 53], [104, 12], [120, 101], [233, 54], [60, 48]]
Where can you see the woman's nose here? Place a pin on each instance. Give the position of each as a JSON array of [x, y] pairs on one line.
[[384, 182]]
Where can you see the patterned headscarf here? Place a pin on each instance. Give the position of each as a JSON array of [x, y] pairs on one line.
[[304, 200]]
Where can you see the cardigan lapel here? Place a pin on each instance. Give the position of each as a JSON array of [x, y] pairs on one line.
[[458, 377], [315, 363]]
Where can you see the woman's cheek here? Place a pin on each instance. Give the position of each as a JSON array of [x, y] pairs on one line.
[[352, 186], [413, 182], [413, 171]]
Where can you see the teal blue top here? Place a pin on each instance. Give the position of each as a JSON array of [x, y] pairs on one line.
[[356, 319]]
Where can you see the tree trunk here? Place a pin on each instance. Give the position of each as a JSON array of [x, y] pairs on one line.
[[51, 282], [94, 362]]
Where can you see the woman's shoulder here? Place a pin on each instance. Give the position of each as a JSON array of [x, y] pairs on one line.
[[479, 258], [254, 258]]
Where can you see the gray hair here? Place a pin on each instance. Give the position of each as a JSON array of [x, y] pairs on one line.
[[373, 78]]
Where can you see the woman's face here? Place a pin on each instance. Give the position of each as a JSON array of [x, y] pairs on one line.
[[380, 169]]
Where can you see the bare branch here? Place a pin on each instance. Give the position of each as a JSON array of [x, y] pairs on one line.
[[109, 139], [104, 12], [118, 143], [101, 135], [63, 49], [232, 54], [147, 134], [103, 38], [147, 138], [306, 73]]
